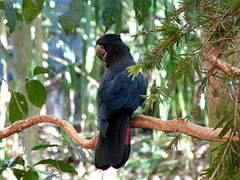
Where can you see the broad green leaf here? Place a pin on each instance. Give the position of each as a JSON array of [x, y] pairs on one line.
[[70, 19], [19, 173], [141, 8], [41, 70], [1, 5], [18, 107], [31, 175], [36, 92], [10, 15], [111, 12], [31, 8], [60, 165], [43, 146]]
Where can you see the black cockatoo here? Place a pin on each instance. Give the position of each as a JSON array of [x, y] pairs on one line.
[[118, 96]]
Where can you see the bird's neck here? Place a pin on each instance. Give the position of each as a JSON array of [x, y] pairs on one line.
[[121, 65], [116, 61]]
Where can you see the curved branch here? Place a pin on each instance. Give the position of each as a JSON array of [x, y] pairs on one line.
[[66, 126], [140, 121], [212, 55], [179, 125]]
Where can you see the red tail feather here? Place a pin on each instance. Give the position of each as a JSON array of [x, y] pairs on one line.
[[127, 140]]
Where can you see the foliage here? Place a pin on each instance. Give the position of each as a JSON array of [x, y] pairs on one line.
[[170, 39], [141, 8], [60, 165], [177, 30], [18, 108], [36, 94], [41, 70], [31, 9], [23, 171], [39, 98], [111, 12], [70, 19]]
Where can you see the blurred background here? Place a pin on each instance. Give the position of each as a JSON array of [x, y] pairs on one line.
[[71, 92]]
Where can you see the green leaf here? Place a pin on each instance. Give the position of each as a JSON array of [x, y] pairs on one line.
[[225, 129], [190, 75], [141, 8], [10, 15], [36, 92], [197, 67], [111, 12], [41, 70], [174, 143], [134, 70], [18, 107], [70, 19], [220, 123], [31, 175], [1, 5], [18, 160], [43, 146], [31, 8], [19, 173], [60, 165]]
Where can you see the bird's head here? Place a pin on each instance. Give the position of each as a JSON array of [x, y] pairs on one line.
[[110, 47]]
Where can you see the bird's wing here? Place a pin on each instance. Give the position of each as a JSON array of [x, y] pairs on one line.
[[120, 92]]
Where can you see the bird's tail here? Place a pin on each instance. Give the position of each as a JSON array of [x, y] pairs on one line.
[[114, 149]]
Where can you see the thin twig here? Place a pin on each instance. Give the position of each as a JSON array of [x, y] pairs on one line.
[[146, 32], [224, 39]]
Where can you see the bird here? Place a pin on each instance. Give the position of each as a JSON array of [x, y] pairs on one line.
[[118, 96]]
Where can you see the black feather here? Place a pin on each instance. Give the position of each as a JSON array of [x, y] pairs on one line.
[[118, 97], [112, 150]]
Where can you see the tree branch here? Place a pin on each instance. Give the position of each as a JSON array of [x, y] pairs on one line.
[[212, 55], [140, 121]]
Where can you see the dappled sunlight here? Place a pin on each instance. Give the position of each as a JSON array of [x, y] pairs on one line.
[[48, 66]]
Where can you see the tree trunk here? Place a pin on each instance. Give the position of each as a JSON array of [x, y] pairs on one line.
[[4, 94], [23, 56], [217, 96]]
